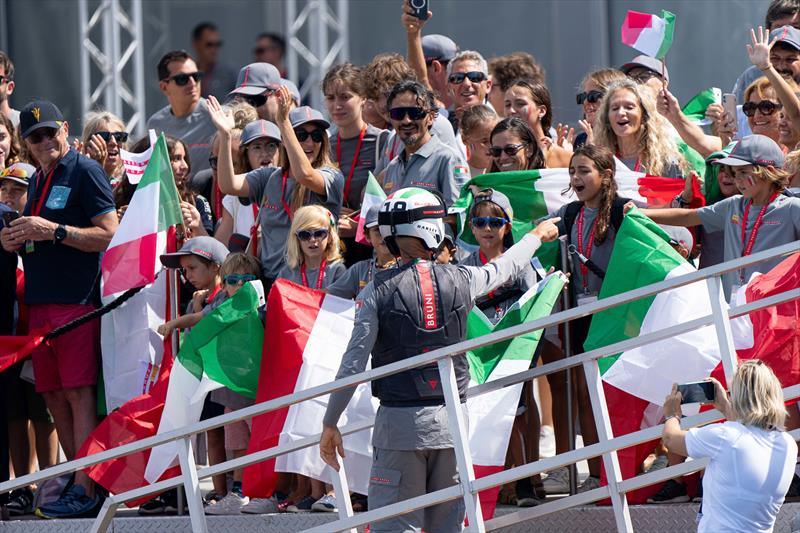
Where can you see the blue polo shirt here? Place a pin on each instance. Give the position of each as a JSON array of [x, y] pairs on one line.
[[57, 273]]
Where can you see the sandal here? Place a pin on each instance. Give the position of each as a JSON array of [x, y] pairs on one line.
[[359, 502]]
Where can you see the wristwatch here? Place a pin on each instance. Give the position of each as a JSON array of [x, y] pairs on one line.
[[59, 234], [678, 201]]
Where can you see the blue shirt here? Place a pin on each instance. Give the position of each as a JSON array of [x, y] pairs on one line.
[[57, 273]]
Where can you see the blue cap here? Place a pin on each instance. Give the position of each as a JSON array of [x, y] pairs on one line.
[[305, 114], [259, 129]]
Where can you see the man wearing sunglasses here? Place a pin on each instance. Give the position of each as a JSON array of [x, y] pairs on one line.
[[258, 84], [186, 115], [7, 87], [469, 83], [647, 71], [218, 78], [425, 161], [67, 223]]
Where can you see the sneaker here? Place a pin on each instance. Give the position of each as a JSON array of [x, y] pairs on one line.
[[152, 507], [74, 503], [170, 499], [590, 483], [529, 501], [557, 481], [231, 504], [326, 504], [20, 502], [261, 506], [303, 506], [659, 463], [212, 497], [671, 492]]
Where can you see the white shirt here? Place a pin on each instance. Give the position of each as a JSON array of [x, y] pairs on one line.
[[747, 478], [242, 215]]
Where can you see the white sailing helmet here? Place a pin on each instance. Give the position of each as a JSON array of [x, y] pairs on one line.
[[412, 212]]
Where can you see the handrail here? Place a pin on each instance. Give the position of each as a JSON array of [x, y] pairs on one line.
[[439, 354]]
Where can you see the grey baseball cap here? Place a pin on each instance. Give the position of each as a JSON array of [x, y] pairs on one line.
[[259, 129], [754, 150], [289, 84], [304, 114], [787, 35], [438, 47], [207, 248], [496, 197], [256, 78], [650, 63], [371, 217]]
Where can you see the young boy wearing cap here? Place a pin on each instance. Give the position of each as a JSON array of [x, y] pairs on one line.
[[759, 218]]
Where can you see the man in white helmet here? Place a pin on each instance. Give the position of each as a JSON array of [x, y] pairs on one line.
[[416, 307]]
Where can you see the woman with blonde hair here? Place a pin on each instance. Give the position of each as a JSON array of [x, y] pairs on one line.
[[103, 136], [629, 125], [593, 88], [752, 457]]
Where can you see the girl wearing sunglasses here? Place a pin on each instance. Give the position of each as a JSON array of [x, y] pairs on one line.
[[513, 146], [593, 89], [307, 176], [103, 136]]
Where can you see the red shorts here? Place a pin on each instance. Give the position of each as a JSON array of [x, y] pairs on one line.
[[70, 360]]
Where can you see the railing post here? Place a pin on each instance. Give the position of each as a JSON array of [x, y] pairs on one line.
[[459, 430], [722, 325], [619, 501], [342, 489], [105, 517], [191, 486]]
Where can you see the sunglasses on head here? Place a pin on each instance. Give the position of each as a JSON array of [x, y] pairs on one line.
[[41, 134], [307, 234], [457, 78], [119, 136], [235, 279], [492, 222], [766, 107], [509, 149], [414, 113], [183, 79], [316, 135], [591, 96]]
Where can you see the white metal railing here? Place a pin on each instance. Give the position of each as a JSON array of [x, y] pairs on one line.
[[469, 487]]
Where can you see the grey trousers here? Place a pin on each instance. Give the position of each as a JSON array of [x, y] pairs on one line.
[[398, 475]]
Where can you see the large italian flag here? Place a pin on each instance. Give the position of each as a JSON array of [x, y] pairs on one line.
[[222, 350], [649, 34], [491, 415]]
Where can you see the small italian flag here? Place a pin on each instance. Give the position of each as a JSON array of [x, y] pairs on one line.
[[695, 109], [649, 34], [132, 256], [373, 195]]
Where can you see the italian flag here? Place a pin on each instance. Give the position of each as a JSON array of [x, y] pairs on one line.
[[132, 256], [307, 333], [16, 348], [491, 415], [373, 196], [649, 34], [535, 194], [222, 350], [695, 108]]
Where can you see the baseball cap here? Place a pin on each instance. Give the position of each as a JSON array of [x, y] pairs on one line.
[[289, 84], [754, 150], [305, 114], [255, 78], [259, 129], [371, 218], [496, 197], [207, 248], [787, 35], [680, 235], [39, 114], [438, 47], [650, 63], [18, 173]]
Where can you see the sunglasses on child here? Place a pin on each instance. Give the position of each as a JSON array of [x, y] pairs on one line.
[[509, 149], [457, 78], [307, 235], [591, 96], [119, 136], [414, 113], [765, 106], [183, 79], [492, 222], [236, 279], [316, 135]]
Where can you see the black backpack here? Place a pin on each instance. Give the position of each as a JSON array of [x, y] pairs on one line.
[[617, 215]]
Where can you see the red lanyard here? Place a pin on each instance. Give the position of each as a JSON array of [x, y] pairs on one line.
[[286, 207], [355, 159], [588, 252], [497, 309], [36, 208], [254, 230], [756, 225], [213, 293], [394, 147], [320, 276]]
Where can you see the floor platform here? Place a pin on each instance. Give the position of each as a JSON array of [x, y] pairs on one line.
[[646, 519]]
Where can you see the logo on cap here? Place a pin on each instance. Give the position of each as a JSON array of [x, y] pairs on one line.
[[36, 112]]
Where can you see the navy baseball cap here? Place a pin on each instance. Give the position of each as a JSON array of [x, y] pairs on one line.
[[305, 114], [754, 149], [204, 247], [437, 47], [787, 35], [650, 63], [256, 78], [259, 129], [39, 114]]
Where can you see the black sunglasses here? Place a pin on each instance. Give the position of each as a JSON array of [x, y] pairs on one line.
[[119, 136], [316, 135], [183, 79], [457, 78], [213, 162], [213, 44], [592, 97], [306, 235], [414, 113], [255, 100], [766, 107], [645, 76], [235, 279], [41, 134], [509, 149], [492, 222]]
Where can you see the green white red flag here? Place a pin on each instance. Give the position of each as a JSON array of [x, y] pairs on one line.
[[649, 34]]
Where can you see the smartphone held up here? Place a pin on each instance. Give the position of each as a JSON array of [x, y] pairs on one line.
[[697, 392]]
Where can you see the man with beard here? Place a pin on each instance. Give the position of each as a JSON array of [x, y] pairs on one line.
[[7, 87], [425, 161]]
